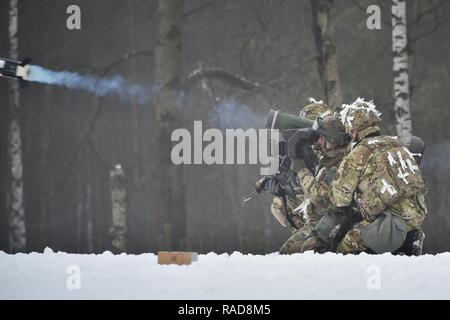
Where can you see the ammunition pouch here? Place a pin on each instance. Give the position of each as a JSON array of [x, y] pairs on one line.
[[324, 227], [386, 234]]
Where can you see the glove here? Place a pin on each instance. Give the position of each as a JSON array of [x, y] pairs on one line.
[[274, 188], [308, 156], [297, 165]]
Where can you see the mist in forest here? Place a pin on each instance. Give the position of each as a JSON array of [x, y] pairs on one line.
[[112, 92]]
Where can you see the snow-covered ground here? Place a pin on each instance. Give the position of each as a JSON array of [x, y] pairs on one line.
[[236, 276]]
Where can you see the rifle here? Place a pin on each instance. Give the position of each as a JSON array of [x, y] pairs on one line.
[[294, 143]]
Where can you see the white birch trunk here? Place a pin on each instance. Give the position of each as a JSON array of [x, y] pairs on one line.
[[17, 230], [119, 215], [401, 74]]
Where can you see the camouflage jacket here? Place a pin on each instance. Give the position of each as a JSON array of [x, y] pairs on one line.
[[291, 204], [304, 209], [316, 187], [381, 174], [298, 208]]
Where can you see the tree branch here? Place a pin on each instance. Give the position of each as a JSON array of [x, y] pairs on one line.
[[196, 10], [212, 73], [285, 74], [432, 9], [435, 28], [236, 81], [86, 137]]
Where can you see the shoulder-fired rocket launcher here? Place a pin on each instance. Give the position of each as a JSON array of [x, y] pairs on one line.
[[296, 132]]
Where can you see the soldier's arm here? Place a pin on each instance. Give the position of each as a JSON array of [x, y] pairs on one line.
[[317, 191], [348, 176]]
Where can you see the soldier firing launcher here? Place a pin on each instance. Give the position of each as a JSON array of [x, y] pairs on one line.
[[296, 134], [14, 69]]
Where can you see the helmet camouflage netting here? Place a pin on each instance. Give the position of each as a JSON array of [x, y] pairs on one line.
[[359, 115], [314, 109]]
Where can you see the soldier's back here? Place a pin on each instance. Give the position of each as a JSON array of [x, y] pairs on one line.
[[391, 181]]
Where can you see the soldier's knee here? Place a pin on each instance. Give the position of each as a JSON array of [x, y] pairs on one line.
[[315, 244], [351, 243], [290, 248]]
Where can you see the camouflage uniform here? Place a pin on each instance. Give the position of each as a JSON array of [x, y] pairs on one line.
[[380, 173], [316, 187], [299, 208], [291, 204]]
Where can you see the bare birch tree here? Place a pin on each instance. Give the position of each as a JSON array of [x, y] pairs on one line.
[[17, 229], [171, 185], [119, 210], [401, 73]]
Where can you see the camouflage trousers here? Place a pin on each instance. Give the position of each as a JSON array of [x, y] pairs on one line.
[[352, 242], [295, 242], [303, 240]]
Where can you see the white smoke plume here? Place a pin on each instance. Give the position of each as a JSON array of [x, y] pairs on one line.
[[231, 114], [227, 114], [94, 84]]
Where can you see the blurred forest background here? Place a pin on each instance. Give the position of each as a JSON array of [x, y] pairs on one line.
[[72, 139]]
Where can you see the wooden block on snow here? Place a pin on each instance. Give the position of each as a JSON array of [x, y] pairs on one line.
[[180, 258]]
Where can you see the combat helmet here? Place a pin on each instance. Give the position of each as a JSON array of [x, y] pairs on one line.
[[359, 116], [331, 127], [314, 109]]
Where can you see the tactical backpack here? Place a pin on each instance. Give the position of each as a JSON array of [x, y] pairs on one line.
[[394, 174]]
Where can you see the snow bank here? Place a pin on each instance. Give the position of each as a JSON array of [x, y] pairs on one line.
[[236, 276]]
